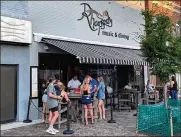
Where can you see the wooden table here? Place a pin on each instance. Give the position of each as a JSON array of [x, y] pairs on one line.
[[135, 92], [74, 97]]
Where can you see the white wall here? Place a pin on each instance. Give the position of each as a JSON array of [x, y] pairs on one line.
[[60, 18], [178, 78]]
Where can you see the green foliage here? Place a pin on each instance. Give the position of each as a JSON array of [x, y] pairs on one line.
[[179, 22], [159, 45]]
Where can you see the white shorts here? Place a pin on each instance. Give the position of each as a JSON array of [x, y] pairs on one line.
[[44, 98]]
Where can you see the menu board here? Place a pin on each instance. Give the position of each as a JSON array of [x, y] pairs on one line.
[[34, 82]]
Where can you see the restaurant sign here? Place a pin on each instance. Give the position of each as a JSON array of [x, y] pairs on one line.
[[16, 30], [137, 67], [98, 22]]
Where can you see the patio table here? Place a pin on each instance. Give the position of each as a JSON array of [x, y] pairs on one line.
[[136, 95], [74, 97]]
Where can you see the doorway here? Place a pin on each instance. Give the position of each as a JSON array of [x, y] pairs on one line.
[[8, 93], [51, 64]]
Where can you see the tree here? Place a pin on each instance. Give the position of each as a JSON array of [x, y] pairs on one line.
[[160, 46]]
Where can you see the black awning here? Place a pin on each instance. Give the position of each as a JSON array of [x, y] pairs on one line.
[[97, 54]]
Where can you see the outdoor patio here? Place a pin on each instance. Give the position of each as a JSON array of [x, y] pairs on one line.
[[125, 126]]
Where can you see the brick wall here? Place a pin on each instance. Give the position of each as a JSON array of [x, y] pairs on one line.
[[172, 8], [15, 9]]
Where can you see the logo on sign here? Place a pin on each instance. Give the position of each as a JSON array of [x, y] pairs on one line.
[[96, 20]]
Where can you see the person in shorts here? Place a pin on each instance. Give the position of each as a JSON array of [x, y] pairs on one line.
[[86, 100], [44, 100], [93, 87], [52, 105], [101, 97]]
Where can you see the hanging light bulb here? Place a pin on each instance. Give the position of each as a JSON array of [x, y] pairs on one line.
[[140, 3]]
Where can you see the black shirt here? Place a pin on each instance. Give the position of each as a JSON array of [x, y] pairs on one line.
[[174, 86]]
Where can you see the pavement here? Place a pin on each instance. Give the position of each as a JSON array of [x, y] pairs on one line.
[[18, 124], [125, 126]]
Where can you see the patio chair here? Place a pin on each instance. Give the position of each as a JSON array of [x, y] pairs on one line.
[[149, 97], [124, 100]]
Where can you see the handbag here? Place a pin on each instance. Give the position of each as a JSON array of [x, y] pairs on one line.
[[86, 99]]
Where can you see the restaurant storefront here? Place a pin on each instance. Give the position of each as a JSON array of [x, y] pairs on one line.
[[91, 37]]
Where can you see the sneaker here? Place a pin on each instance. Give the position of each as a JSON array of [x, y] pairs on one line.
[[56, 131], [50, 131]]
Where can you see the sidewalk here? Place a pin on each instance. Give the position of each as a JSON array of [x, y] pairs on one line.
[[125, 126], [18, 124]]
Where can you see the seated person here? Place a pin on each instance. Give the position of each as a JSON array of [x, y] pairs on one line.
[[128, 86], [151, 88]]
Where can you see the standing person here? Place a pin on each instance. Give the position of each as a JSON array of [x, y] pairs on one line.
[[74, 83], [44, 100], [173, 88], [56, 86], [52, 105], [93, 87], [86, 100], [101, 97], [63, 94]]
